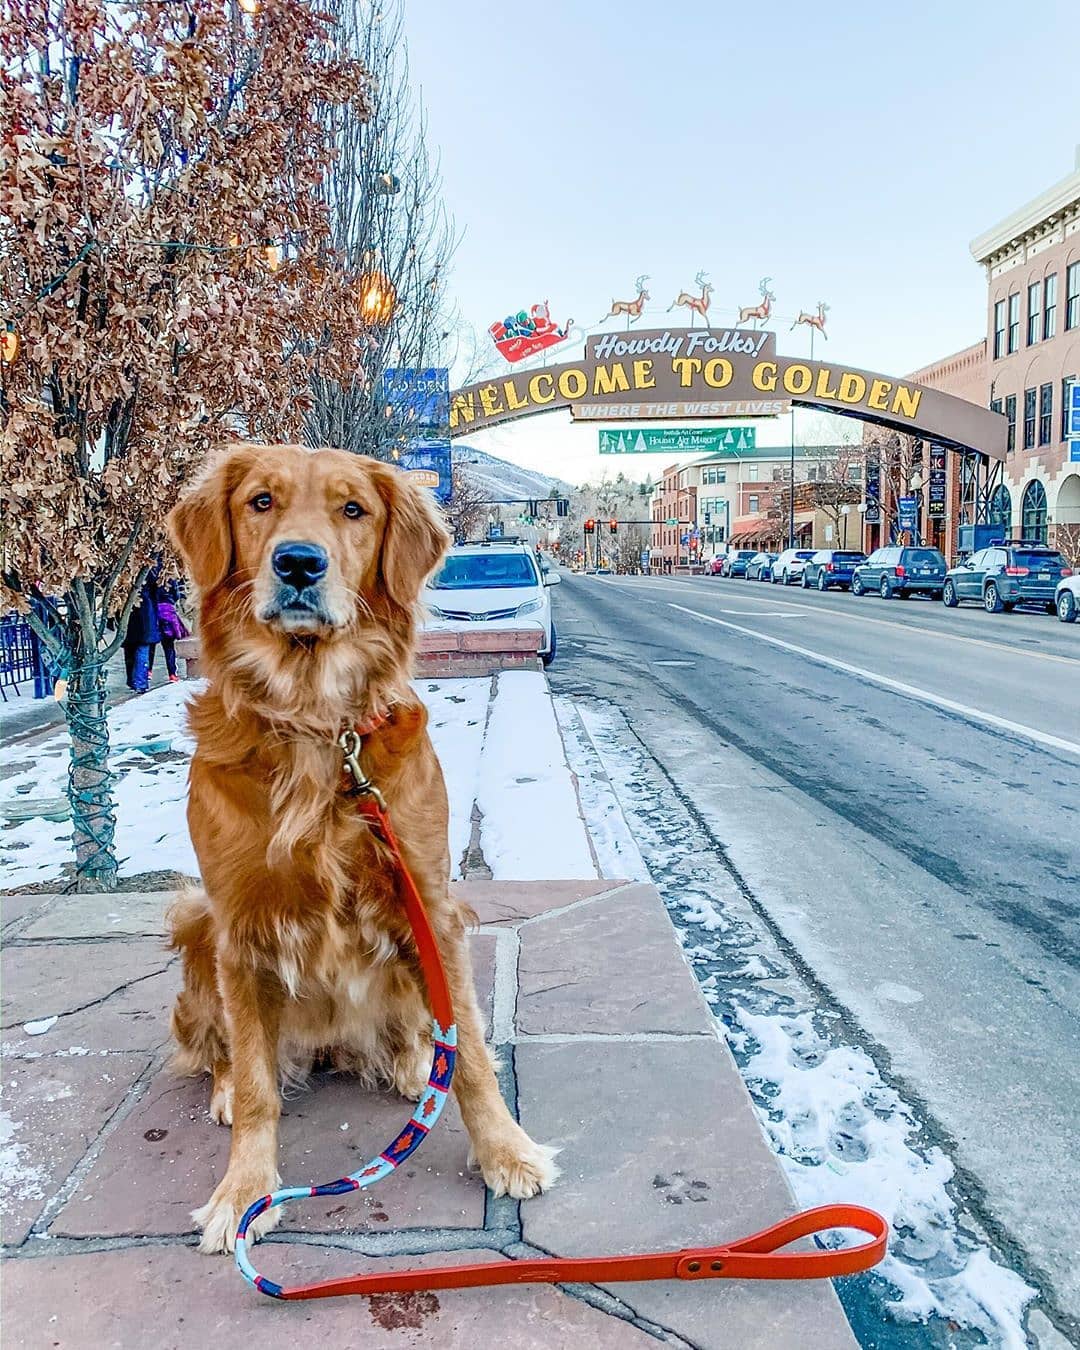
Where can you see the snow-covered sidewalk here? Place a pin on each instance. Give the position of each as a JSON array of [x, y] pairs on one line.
[[497, 738]]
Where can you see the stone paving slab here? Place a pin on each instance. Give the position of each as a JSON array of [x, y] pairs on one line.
[[612, 966], [13, 907], [135, 914], [55, 1107], [146, 1298], [167, 1156], [660, 1150], [108, 996], [509, 902]]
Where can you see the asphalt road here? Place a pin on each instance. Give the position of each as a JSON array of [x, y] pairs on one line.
[[899, 786]]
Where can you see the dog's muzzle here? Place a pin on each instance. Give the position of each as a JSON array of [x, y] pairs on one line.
[[300, 569]]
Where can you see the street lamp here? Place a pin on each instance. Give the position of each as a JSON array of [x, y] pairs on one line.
[[845, 511]]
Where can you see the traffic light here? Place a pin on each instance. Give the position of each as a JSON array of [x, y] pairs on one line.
[[534, 509], [590, 525], [613, 526], [708, 517], [562, 506]]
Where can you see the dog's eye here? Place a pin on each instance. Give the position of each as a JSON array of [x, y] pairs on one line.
[[263, 502], [353, 510]]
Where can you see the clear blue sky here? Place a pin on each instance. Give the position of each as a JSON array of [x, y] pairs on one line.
[[850, 151]]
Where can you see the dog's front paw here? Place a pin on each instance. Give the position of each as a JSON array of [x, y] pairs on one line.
[[221, 1215], [513, 1165]]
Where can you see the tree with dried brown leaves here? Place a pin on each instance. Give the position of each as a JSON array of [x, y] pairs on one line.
[[391, 234], [167, 267]]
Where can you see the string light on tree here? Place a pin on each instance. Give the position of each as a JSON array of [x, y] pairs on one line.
[[251, 7], [377, 296], [9, 344]]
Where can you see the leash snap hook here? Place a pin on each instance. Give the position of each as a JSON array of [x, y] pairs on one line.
[[350, 743]]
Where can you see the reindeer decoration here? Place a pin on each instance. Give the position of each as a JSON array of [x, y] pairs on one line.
[[696, 304], [764, 309], [813, 320], [631, 308]]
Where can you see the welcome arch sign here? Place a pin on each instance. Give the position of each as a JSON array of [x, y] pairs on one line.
[[650, 374]]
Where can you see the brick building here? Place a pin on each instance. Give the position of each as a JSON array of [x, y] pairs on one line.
[[715, 498], [1032, 264]]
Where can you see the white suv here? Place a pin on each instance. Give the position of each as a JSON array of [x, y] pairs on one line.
[[788, 568], [500, 585]]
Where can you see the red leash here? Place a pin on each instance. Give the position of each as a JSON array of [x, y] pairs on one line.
[[751, 1258], [757, 1257]]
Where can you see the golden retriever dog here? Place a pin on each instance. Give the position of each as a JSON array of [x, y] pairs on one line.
[[309, 566]]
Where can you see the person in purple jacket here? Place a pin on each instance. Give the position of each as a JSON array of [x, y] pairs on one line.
[[170, 624]]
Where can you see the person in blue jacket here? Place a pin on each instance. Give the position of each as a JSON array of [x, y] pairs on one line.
[[143, 635]]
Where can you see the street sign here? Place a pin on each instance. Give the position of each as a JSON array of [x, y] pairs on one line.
[[678, 441], [430, 462], [644, 557], [873, 492], [908, 512], [684, 539], [935, 503], [671, 520]]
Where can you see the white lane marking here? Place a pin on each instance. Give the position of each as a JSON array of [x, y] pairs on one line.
[[911, 690], [909, 628]]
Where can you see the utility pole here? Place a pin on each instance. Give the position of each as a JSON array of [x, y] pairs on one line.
[[791, 471]]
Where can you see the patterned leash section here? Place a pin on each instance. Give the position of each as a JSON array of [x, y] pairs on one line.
[[407, 1141]]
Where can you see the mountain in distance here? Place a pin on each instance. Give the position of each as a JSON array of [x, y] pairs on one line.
[[497, 478]]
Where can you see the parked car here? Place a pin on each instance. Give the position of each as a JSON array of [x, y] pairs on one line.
[[831, 567], [759, 568], [736, 560], [495, 584], [900, 571], [789, 565], [1010, 572], [716, 565], [1067, 598]]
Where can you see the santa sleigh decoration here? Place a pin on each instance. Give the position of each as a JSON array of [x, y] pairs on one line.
[[529, 331]]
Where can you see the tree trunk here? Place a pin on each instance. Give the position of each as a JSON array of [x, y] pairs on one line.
[[93, 813]]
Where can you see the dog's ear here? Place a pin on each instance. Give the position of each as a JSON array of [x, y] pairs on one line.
[[415, 538], [199, 525]]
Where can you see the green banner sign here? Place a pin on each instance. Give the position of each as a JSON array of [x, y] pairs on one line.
[[678, 441]]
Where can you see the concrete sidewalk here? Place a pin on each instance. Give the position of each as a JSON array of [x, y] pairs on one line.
[[609, 1053]]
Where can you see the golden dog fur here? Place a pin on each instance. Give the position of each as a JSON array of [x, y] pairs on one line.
[[298, 948]]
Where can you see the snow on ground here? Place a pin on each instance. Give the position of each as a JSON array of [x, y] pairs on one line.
[[841, 1132], [532, 826], [504, 751]]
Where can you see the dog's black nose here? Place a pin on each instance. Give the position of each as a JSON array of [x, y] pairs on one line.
[[299, 564]]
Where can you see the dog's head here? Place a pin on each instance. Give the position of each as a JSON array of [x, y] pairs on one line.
[[317, 543]]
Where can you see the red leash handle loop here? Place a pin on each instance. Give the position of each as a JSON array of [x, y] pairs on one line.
[[759, 1257]]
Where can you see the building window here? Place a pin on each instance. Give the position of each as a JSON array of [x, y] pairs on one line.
[[752, 504], [995, 405], [1010, 417], [1034, 328], [999, 329], [1050, 307], [1001, 510], [1014, 321], [1066, 385], [751, 473], [854, 473], [1029, 418], [1034, 512], [1072, 296], [1046, 414]]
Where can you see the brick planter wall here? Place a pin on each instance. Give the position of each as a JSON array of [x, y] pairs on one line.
[[455, 653], [441, 655]]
